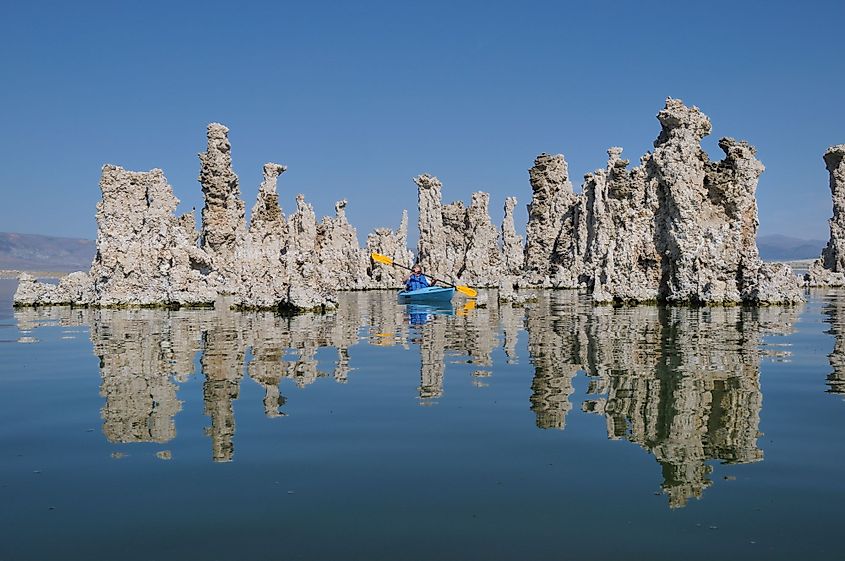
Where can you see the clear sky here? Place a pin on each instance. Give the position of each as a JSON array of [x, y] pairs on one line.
[[358, 97]]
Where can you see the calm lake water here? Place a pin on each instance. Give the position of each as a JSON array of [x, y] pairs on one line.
[[554, 431]]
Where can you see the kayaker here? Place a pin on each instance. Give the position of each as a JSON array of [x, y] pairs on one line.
[[416, 280]]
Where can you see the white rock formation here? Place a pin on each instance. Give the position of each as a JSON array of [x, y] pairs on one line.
[[513, 255], [263, 277], [223, 215], [482, 260], [74, 289], [829, 270], [431, 247], [459, 243], [552, 198], [344, 265], [394, 245], [676, 228], [146, 256]]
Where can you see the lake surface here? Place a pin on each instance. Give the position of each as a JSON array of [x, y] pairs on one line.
[[554, 431]]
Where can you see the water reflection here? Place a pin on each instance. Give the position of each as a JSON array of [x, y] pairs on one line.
[[682, 383], [835, 311], [420, 314]]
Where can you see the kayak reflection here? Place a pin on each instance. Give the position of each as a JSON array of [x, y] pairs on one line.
[[420, 314]]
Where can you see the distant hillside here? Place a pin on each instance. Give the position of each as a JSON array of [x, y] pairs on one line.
[[778, 247], [29, 252]]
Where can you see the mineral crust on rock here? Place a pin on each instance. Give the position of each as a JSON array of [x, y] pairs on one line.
[[829, 269], [460, 243], [513, 255], [431, 247], [676, 228], [552, 197], [149, 257], [393, 244], [223, 215]]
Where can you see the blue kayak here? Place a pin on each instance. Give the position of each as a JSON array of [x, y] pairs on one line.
[[427, 294]]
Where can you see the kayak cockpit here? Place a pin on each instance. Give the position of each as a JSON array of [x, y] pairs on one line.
[[427, 294]]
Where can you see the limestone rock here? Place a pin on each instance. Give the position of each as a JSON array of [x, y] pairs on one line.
[[834, 254], [677, 228], [482, 260], [613, 242], [818, 276], [513, 255], [457, 242], [454, 218], [264, 278], [223, 214], [344, 266], [307, 298], [431, 248], [775, 284], [509, 294], [146, 256], [393, 244], [552, 197], [829, 270]]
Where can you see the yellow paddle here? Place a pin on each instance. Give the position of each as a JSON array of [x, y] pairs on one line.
[[384, 259]]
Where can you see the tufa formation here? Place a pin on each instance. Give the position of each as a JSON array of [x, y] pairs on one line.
[[676, 228], [829, 269]]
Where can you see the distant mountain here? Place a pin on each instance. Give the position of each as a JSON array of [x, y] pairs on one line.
[[29, 252], [778, 247]]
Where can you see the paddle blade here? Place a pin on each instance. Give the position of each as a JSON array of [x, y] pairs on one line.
[[381, 258], [467, 290]]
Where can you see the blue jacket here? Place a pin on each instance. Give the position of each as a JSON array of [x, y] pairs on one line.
[[416, 282]]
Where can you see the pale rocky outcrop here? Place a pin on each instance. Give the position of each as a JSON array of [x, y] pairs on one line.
[[75, 289], [513, 256], [149, 257], [343, 265], [223, 215], [146, 256], [677, 228], [482, 260], [263, 275], [457, 242], [552, 198], [393, 244], [431, 247], [829, 269]]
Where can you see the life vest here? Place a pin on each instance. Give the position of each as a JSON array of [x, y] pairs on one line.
[[416, 282]]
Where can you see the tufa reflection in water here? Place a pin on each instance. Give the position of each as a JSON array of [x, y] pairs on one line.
[[683, 383], [835, 312]]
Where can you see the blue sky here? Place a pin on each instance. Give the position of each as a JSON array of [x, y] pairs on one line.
[[356, 98]]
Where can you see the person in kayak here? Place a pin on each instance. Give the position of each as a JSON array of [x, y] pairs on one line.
[[417, 280]]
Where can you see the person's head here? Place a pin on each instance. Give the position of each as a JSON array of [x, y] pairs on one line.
[[416, 269]]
